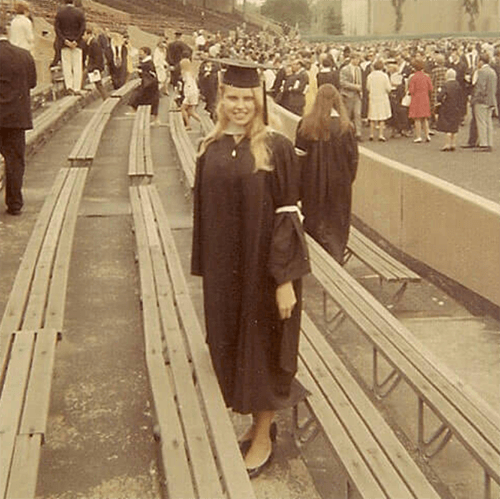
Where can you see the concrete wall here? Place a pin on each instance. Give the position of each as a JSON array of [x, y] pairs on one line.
[[448, 228]]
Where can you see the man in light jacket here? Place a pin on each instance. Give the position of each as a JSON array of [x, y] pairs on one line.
[[484, 102]]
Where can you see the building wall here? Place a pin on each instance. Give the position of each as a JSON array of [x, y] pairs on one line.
[[377, 17]]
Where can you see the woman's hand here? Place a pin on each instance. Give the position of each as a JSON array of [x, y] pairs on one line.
[[285, 299]]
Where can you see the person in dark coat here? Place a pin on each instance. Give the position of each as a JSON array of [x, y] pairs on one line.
[[328, 74], [117, 57], [249, 247], [18, 77], [450, 99], [176, 51], [148, 92], [69, 27], [295, 88], [94, 62], [208, 81], [327, 146]]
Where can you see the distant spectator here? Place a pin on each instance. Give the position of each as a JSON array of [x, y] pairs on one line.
[[200, 42], [351, 89], [147, 92], [117, 56], [160, 62], [190, 91], [295, 88], [208, 81], [420, 88], [21, 27], [176, 51], [18, 77], [70, 27], [450, 109], [378, 87], [94, 61], [327, 74]]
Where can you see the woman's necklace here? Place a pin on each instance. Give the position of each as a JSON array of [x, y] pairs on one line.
[[237, 132]]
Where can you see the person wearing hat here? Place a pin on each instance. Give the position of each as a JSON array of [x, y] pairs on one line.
[[176, 51], [249, 248]]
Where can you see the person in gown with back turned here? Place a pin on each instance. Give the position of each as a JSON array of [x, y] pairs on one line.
[[327, 147], [249, 247]]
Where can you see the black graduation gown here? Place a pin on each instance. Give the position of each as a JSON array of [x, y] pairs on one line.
[[327, 172], [243, 250]]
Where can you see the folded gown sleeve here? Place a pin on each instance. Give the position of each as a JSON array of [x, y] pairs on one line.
[[288, 255]]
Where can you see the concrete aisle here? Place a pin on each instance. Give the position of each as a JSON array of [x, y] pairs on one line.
[[100, 441]]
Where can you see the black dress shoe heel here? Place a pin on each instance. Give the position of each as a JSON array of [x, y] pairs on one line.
[[245, 444], [255, 472]]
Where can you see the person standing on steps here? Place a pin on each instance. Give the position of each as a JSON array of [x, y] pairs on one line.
[[249, 248], [18, 77], [70, 27]]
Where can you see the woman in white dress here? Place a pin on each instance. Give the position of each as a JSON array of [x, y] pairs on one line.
[[21, 27], [191, 93], [378, 87]]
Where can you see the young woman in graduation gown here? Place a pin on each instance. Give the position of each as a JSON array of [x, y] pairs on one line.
[[249, 247], [328, 151]]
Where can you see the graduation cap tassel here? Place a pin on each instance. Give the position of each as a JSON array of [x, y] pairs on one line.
[[266, 120]]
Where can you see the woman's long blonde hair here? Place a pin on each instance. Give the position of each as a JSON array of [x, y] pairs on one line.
[[256, 130]]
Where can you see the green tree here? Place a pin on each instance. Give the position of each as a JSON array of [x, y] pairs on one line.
[[290, 11], [333, 22], [472, 8]]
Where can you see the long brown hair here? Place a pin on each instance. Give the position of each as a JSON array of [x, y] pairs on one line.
[[316, 124], [256, 130]]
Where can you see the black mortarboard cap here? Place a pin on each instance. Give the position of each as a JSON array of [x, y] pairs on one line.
[[244, 74], [240, 74]]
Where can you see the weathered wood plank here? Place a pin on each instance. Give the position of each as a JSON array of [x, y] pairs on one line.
[[11, 401], [152, 328], [24, 473], [34, 314], [54, 314], [349, 456], [12, 317], [386, 438], [203, 465], [36, 405], [169, 248], [372, 453]]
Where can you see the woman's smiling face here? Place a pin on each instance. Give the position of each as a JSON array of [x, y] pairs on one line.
[[239, 105]]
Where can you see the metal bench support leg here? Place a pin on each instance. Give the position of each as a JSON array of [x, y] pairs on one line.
[[384, 388], [336, 319], [442, 435], [487, 485], [305, 431], [399, 293]]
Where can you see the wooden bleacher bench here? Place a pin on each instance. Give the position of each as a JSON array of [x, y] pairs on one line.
[[384, 265], [375, 462], [140, 162], [124, 90], [207, 124], [184, 146], [462, 413], [31, 324], [49, 120], [85, 149], [199, 450]]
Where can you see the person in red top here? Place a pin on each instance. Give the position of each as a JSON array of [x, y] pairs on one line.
[[420, 89]]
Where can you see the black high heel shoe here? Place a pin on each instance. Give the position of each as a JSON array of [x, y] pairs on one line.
[[273, 433], [255, 472]]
